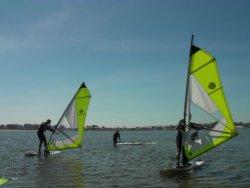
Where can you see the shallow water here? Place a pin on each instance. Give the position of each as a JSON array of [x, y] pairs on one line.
[[99, 164]]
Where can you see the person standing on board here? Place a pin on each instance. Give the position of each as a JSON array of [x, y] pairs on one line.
[[179, 140], [180, 129], [40, 133], [116, 136]]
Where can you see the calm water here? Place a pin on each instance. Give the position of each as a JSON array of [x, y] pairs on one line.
[[99, 164]]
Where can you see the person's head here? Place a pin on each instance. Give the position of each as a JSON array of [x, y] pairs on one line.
[[117, 131], [181, 124], [48, 121], [182, 121]]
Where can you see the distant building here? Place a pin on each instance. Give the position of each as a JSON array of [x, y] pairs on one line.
[[28, 126], [95, 127], [14, 126]]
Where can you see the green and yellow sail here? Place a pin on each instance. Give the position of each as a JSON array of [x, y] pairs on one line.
[[73, 119], [3, 181], [205, 90]]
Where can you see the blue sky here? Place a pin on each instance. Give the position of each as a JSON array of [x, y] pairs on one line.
[[132, 55]]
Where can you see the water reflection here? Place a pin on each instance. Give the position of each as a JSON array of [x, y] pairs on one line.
[[59, 171], [184, 179], [178, 179]]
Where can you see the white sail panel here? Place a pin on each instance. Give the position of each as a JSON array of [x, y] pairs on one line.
[[68, 141], [219, 128], [200, 97], [71, 115]]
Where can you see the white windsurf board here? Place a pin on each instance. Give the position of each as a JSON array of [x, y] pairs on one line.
[[135, 143], [32, 153], [193, 166]]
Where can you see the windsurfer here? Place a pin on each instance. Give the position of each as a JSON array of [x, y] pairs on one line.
[[40, 133], [116, 136], [180, 129], [179, 143]]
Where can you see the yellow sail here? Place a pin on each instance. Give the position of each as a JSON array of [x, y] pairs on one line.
[[73, 118], [206, 92], [3, 181]]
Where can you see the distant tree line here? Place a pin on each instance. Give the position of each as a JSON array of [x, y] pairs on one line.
[[28, 126]]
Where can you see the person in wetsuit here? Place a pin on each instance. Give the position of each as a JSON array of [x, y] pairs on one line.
[[116, 136], [40, 133], [179, 140], [180, 129]]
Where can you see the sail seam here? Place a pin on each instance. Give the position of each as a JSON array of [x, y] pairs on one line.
[[215, 91], [212, 60], [82, 97]]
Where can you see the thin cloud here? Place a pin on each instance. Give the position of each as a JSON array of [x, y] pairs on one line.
[[228, 47], [40, 34], [129, 45], [14, 43]]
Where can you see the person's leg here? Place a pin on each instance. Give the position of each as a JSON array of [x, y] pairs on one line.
[[40, 145], [184, 157], [40, 141], [45, 143], [178, 155], [45, 146]]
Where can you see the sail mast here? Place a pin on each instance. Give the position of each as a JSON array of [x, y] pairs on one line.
[[187, 93]]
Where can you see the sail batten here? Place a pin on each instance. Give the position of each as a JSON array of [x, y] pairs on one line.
[[202, 66], [72, 119], [205, 91]]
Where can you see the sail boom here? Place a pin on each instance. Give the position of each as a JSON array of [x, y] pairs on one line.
[[204, 128], [215, 91]]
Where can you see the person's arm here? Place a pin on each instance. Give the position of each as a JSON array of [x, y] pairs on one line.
[[50, 128], [181, 127], [195, 126]]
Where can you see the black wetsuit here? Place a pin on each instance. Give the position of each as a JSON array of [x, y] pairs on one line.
[[116, 136], [178, 144], [40, 133], [179, 136]]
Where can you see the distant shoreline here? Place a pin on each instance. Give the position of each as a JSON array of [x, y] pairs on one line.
[[103, 128]]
